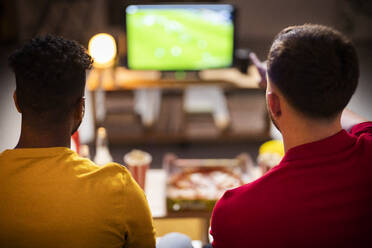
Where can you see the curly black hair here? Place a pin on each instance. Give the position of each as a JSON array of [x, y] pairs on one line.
[[50, 74]]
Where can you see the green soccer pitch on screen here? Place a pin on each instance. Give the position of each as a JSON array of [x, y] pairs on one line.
[[180, 37]]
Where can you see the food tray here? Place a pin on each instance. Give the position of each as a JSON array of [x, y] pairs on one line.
[[197, 184]]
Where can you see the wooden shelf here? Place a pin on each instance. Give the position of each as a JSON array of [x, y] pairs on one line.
[[245, 102], [122, 78], [249, 120]]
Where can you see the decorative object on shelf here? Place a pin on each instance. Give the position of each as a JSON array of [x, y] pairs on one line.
[[103, 155], [270, 154]]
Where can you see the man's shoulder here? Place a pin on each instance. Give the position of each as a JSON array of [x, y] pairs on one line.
[[244, 209], [364, 128], [84, 166], [363, 132], [249, 196], [110, 174]]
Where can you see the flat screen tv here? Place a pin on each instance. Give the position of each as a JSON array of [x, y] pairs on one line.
[[180, 37]]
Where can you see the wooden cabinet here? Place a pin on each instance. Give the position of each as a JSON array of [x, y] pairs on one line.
[[248, 119]]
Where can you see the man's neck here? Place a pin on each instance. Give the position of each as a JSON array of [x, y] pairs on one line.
[[306, 132], [54, 136]]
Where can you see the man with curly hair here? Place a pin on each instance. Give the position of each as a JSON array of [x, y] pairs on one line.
[[49, 196], [320, 194]]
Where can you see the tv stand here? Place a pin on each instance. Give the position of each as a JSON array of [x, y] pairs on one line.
[[207, 100], [180, 75], [152, 107], [201, 99]]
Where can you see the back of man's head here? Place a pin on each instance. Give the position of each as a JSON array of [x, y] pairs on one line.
[[50, 76], [315, 68]]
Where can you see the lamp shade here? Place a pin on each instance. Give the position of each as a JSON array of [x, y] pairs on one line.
[[102, 48]]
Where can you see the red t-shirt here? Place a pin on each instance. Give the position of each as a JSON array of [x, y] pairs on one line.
[[320, 195]]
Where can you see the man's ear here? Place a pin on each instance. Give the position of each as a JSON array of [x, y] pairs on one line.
[[16, 102], [80, 109], [78, 114], [273, 102]]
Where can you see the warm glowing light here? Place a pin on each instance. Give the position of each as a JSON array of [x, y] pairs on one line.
[[102, 47]]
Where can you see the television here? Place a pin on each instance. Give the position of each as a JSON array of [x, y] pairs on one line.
[[180, 37]]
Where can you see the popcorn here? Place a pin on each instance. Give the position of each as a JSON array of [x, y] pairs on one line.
[[137, 157]]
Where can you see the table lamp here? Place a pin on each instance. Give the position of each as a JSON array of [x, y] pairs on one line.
[[102, 48]]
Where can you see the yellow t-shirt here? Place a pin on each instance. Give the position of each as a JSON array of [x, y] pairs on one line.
[[51, 197]]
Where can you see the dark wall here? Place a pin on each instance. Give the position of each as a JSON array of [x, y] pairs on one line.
[[258, 20]]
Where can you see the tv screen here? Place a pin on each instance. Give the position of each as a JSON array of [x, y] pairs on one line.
[[180, 37]]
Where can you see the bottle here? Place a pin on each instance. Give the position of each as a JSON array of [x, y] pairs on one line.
[[103, 155], [84, 151]]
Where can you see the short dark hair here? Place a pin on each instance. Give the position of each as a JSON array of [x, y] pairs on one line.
[[50, 74], [316, 69]]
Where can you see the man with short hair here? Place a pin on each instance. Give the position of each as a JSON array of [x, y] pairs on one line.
[[320, 194], [49, 196]]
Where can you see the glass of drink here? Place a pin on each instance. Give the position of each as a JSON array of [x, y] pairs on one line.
[[138, 162]]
